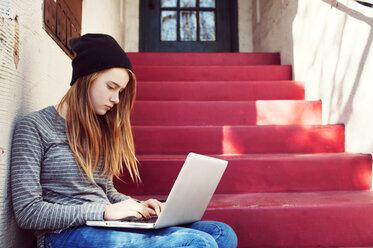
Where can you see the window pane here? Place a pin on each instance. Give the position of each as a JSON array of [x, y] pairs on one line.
[[207, 3], [207, 25], [188, 25], [168, 26], [168, 3], [187, 3]]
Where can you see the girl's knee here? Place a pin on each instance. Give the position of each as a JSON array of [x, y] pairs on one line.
[[224, 228], [223, 234], [228, 237], [201, 239]]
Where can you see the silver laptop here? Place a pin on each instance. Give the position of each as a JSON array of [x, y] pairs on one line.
[[189, 197]]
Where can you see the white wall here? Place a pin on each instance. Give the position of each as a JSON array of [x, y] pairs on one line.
[[333, 55], [245, 24], [131, 25], [272, 25], [40, 79], [331, 51], [104, 17]]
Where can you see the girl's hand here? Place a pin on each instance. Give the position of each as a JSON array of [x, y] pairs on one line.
[[155, 205], [130, 207]]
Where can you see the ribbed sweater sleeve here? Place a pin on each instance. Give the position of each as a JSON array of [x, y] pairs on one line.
[[113, 195], [31, 210]]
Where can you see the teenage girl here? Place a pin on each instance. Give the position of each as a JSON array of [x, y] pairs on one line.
[[64, 158]]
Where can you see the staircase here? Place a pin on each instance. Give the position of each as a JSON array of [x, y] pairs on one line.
[[289, 182]]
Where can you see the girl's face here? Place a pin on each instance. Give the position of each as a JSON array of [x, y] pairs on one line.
[[105, 89]]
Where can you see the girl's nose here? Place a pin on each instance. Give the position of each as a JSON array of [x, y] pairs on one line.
[[115, 98]]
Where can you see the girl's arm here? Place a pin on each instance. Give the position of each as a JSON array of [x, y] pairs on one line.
[[113, 195], [31, 211]]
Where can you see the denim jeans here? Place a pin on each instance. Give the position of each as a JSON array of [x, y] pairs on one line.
[[197, 234]]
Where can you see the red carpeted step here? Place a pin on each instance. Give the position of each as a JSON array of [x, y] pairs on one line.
[[314, 219], [307, 219], [280, 112], [261, 173], [217, 73], [220, 90], [266, 162], [238, 139], [149, 58]]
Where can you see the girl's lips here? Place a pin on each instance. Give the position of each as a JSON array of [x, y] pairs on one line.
[[108, 107]]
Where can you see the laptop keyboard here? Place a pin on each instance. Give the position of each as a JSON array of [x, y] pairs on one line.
[[153, 219]]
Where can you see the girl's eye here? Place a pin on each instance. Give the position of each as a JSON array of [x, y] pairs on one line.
[[110, 87]]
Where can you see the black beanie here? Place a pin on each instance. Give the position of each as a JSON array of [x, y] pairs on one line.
[[96, 52]]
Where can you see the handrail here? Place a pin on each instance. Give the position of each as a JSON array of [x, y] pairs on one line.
[[365, 3], [354, 10]]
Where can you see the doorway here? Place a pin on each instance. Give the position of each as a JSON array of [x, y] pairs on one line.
[[188, 26]]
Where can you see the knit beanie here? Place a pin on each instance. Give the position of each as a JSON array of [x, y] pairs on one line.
[[96, 52]]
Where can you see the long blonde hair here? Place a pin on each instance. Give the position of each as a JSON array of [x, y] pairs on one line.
[[108, 138]]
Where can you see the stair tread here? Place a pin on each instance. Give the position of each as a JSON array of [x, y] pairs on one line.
[[217, 82], [208, 102], [260, 112], [203, 58], [307, 219], [228, 139], [268, 173], [213, 72], [293, 199], [237, 126], [212, 66], [217, 90], [282, 200], [257, 156]]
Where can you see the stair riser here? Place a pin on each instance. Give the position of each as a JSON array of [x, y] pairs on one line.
[[217, 73], [204, 58], [227, 113], [222, 91], [238, 139], [299, 227], [263, 174]]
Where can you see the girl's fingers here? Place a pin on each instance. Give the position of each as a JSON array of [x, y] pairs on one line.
[[146, 212], [158, 208], [155, 205], [141, 210], [127, 208], [135, 214]]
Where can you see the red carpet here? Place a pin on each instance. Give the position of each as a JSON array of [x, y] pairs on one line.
[[289, 182]]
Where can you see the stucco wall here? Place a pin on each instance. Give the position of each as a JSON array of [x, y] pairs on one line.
[[131, 25], [333, 55], [104, 17], [37, 81], [272, 27], [245, 24], [40, 79], [330, 47]]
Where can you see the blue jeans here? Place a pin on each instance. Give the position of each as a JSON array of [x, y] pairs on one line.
[[197, 234]]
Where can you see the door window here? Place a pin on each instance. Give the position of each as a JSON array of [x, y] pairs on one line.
[[188, 26], [188, 20]]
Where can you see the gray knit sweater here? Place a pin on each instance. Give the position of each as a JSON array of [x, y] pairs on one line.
[[49, 192]]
